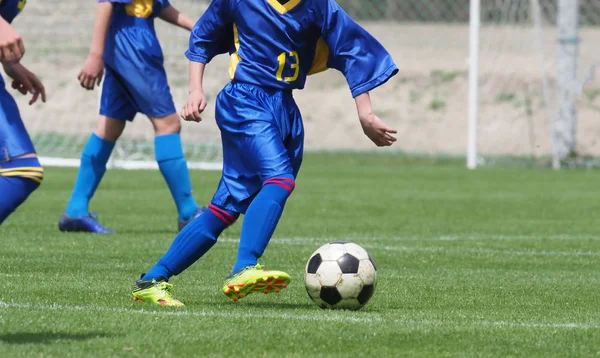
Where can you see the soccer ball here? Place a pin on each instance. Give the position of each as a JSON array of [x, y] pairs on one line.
[[340, 275]]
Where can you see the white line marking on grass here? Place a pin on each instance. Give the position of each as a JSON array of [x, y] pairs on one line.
[[302, 241], [333, 316], [320, 316]]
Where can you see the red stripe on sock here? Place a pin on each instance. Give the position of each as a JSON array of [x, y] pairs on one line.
[[276, 182], [217, 214], [288, 180], [223, 213]]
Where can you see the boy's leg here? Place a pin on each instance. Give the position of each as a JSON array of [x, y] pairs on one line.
[[278, 163], [190, 244], [18, 179], [256, 155], [116, 108], [173, 166], [261, 219], [94, 157]]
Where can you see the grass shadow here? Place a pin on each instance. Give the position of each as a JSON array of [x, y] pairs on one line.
[[47, 337]]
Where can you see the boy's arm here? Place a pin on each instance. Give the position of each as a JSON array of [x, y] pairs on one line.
[[372, 126], [197, 101], [365, 63], [93, 68], [173, 16], [11, 44]]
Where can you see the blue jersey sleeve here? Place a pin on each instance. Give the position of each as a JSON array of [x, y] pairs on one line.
[[117, 1], [213, 32], [160, 5], [364, 61]]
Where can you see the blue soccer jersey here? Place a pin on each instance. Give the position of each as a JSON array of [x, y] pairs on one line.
[[277, 45], [14, 140], [135, 79]]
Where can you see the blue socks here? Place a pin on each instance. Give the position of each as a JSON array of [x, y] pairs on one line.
[[18, 179], [93, 166], [261, 219], [192, 243], [172, 164]]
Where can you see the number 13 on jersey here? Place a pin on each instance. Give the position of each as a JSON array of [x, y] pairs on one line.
[[282, 58]]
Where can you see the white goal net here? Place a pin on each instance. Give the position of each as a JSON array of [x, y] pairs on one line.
[[427, 101]]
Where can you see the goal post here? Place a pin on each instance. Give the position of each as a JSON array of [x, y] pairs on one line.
[[473, 99]]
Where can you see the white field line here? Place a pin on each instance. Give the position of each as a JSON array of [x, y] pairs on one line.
[[301, 241], [335, 317], [321, 316]]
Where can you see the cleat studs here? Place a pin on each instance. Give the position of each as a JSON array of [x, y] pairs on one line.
[[266, 292], [254, 283], [265, 279], [237, 289], [276, 291], [242, 296], [234, 299], [276, 277], [284, 285]]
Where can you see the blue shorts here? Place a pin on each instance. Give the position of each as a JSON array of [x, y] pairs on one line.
[[262, 136], [14, 140], [135, 80]]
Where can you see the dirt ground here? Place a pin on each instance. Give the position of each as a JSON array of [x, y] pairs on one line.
[[426, 101]]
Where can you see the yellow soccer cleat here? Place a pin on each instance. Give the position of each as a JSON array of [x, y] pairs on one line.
[[159, 292], [254, 279]]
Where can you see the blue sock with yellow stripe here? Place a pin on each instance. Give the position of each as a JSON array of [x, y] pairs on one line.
[[18, 179], [173, 166], [93, 166]]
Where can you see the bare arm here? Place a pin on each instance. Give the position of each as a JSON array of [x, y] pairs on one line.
[[11, 44], [173, 16], [373, 127], [93, 68], [197, 101], [103, 15], [196, 76]]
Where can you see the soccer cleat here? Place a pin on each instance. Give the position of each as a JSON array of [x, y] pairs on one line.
[[88, 223], [158, 291], [182, 223], [254, 279]]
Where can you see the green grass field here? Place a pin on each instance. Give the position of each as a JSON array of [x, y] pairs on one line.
[[495, 262]]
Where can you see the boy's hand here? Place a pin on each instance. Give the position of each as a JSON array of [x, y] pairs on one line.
[[25, 81], [376, 130], [194, 107], [11, 44], [92, 71]]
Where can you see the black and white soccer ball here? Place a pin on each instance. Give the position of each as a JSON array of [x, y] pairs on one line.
[[340, 275]]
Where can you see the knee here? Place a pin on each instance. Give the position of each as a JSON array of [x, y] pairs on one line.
[[109, 129], [166, 125]]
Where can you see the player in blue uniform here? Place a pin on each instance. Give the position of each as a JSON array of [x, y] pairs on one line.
[[273, 46], [20, 170], [125, 49]]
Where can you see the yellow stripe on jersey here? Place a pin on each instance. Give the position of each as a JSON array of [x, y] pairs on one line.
[[321, 56], [235, 58], [38, 169], [282, 9], [140, 8], [33, 173], [21, 4]]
